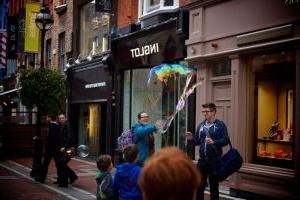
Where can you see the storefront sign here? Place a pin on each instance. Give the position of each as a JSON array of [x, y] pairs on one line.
[[90, 84], [12, 37], [21, 31], [32, 32], [145, 50], [95, 85], [149, 49]]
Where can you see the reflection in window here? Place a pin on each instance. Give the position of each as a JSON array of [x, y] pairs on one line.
[[159, 100], [93, 30]]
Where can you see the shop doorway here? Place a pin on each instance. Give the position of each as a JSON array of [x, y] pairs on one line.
[[221, 95], [91, 127]]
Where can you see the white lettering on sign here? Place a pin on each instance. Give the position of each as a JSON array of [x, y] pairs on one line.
[[144, 50], [95, 85]]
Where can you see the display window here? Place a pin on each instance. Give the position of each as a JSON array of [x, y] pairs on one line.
[[274, 88]]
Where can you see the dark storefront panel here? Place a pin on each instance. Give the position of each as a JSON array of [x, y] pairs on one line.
[[90, 85], [149, 49]]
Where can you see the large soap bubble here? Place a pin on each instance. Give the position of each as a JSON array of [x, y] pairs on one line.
[[83, 151]]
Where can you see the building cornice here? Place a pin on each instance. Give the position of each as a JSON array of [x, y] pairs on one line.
[[202, 3]]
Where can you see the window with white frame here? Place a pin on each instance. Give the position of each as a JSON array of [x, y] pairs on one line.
[[151, 6]]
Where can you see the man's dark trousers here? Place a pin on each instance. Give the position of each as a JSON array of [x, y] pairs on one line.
[[206, 167], [47, 158]]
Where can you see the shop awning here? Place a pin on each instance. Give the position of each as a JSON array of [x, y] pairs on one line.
[[10, 91]]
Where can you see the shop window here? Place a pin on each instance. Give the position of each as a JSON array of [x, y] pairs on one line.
[[94, 31], [159, 100], [61, 52], [150, 6], [274, 109]]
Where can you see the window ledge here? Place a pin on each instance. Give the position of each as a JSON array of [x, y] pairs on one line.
[[60, 9], [169, 9]]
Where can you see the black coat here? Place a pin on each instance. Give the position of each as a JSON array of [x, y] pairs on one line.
[[66, 135], [54, 140]]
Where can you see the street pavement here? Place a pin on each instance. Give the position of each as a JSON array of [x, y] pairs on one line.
[[19, 169], [16, 183]]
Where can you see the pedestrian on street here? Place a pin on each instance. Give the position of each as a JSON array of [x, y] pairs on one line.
[[52, 148], [211, 135], [67, 174], [143, 136], [104, 178], [125, 184], [169, 174]]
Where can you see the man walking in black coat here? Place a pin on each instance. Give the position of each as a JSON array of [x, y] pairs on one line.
[[52, 147], [66, 137]]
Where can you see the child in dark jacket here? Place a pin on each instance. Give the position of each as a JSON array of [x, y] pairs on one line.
[[104, 178], [125, 185]]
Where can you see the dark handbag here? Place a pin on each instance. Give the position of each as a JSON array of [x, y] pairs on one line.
[[229, 163], [67, 154]]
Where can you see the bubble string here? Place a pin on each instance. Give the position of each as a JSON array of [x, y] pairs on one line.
[[181, 103]]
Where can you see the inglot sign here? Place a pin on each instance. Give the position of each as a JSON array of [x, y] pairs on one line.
[[149, 49]]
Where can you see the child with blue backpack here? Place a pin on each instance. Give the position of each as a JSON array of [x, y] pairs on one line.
[[125, 185]]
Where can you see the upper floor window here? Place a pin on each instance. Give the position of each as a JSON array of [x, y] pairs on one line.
[[94, 30], [151, 6], [48, 53], [61, 52]]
